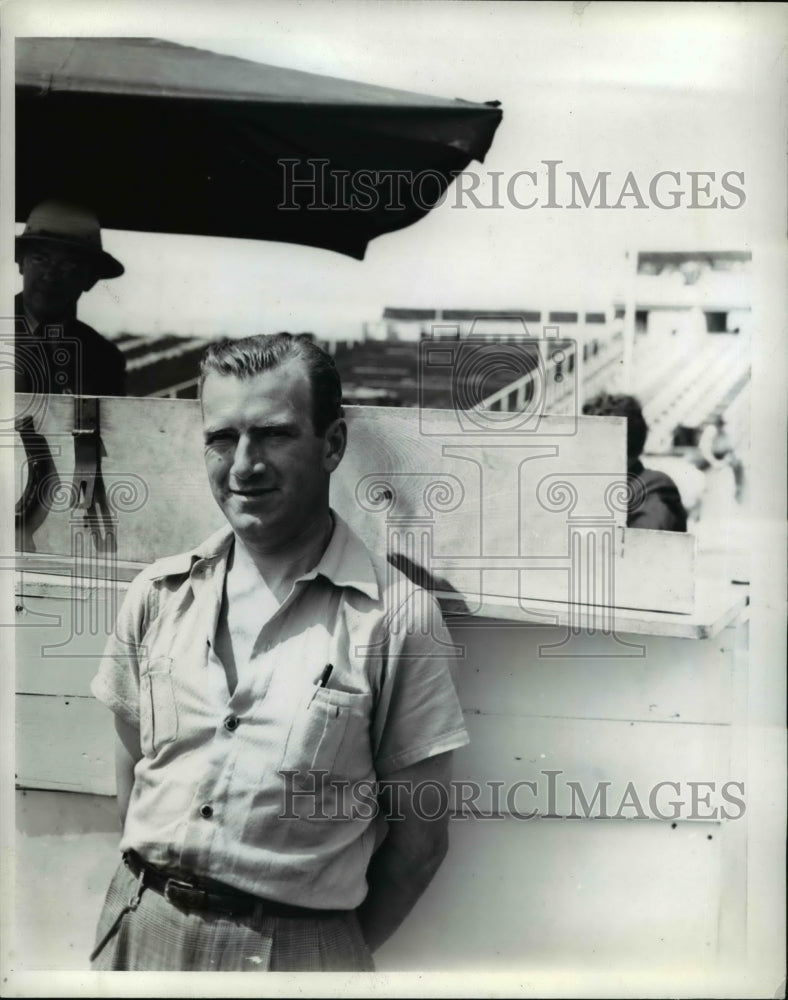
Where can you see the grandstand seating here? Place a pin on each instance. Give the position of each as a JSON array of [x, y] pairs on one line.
[[598, 370], [395, 366], [695, 389], [656, 362], [164, 365], [673, 387]]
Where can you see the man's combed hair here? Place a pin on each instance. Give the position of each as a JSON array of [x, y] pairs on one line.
[[618, 405], [254, 355]]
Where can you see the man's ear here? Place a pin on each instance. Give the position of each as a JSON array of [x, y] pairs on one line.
[[334, 444]]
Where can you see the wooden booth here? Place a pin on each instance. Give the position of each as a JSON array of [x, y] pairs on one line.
[[602, 671]]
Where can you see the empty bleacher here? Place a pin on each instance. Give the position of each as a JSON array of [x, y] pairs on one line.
[[161, 366], [674, 386], [397, 366], [692, 390]]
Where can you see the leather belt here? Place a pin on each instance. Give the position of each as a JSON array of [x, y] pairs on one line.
[[189, 892]]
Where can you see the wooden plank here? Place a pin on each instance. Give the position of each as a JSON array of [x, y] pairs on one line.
[[31, 584], [660, 582], [66, 566], [593, 895], [59, 641], [155, 446], [475, 511], [503, 748], [65, 854], [511, 749], [717, 605], [487, 513], [57, 653], [151, 466], [640, 581], [65, 744], [677, 680]]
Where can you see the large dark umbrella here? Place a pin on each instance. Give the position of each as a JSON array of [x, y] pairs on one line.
[[159, 137]]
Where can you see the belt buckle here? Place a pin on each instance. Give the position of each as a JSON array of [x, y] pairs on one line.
[[185, 895]]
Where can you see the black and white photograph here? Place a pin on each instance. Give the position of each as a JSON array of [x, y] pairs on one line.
[[394, 423]]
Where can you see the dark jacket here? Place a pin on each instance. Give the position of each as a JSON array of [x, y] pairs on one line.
[[70, 357], [655, 502]]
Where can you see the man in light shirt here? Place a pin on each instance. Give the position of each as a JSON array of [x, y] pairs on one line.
[[271, 690]]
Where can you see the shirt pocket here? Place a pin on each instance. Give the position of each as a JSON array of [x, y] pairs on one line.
[[329, 733], [158, 708]]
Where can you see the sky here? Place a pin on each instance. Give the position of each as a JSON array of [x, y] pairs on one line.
[[601, 87]]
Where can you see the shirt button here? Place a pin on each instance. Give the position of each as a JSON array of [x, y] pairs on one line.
[[231, 723], [206, 811]]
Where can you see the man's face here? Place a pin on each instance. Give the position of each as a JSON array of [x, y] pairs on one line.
[[268, 470], [53, 280]]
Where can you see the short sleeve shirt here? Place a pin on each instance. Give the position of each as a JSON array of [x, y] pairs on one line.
[[271, 789]]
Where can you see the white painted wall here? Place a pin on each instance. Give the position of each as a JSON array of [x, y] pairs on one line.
[[513, 894]]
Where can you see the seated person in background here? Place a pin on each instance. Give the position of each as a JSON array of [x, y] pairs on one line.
[[655, 501], [716, 447], [60, 256]]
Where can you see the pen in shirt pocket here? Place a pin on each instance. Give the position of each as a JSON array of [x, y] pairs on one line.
[[325, 675]]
